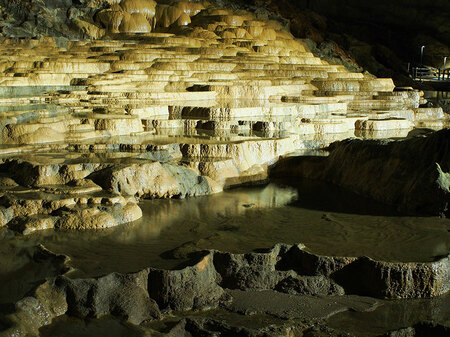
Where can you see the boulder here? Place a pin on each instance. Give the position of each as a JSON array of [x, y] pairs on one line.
[[152, 180], [123, 295], [192, 288]]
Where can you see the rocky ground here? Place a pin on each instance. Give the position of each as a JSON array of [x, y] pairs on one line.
[[287, 289]]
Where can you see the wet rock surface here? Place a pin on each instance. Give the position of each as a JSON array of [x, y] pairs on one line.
[[124, 296], [279, 291], [24, 272], [228, 281]]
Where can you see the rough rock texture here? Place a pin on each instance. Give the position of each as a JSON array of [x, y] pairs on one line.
[[411, 174], [141, 296], [395, 280], [55, 206], [199, 326], [420, 330], [24, 273], [192, 288], [34, 18], [153, 180], [259, 271], [124, 296]]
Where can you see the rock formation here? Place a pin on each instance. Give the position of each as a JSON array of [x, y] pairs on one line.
[[381, 37], [124, 100], [411, 174], [246, 84], [224, 279]]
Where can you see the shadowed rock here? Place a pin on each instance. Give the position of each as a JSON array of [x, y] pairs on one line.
[[424, 329], [411, 174], [192, 288], [124, 296], [208, 283]]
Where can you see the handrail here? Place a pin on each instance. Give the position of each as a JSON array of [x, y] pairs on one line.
[[426, 73], [444, 73]]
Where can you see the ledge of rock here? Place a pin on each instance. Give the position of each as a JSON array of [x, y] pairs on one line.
[[411, 173], [215, 278]]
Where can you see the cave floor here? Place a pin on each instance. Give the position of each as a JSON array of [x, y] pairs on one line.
[[328, 220]]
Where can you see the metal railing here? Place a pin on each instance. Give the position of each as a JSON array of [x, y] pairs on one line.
[[426, 73], [444, 74]]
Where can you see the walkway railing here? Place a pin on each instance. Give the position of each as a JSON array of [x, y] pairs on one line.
[[444, 74], [425, 73]]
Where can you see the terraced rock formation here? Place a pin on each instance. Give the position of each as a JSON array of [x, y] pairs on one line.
[[183, 99], [207, 104]]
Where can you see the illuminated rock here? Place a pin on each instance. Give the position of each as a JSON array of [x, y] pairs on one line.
[[220, 94]]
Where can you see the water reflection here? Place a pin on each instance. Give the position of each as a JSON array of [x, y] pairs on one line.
[[159, 214], [105, 326], [328, 221], [165, 225], [322, 196], [393, 315]]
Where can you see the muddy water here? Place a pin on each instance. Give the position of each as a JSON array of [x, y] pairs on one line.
[[328, 220], [386, 317], [393, 315]]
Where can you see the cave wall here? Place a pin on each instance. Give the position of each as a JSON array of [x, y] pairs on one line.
[[411, 17], [401, 25], [381, 36]]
